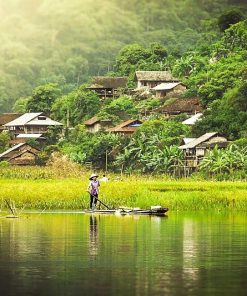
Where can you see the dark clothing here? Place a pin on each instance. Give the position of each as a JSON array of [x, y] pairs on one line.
[[93, 200]]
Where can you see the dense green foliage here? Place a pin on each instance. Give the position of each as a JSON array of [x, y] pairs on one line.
[[4, 141], [76, 106], [48, 51], [82, 146], [229, 18], [121, 108], [221, 85], [136, 57], [44, 41], [43, 97], [152, 149], [225, 163]]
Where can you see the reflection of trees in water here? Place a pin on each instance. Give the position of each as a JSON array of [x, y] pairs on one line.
[[93, 235]]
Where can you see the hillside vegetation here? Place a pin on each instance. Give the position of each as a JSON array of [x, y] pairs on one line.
[[66, 42], [50, 50]]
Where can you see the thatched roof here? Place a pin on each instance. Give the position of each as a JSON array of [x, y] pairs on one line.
[[32, 151], [7, 117], [108, 82], [92, 121], [16, 147], [182, 106], [154, 76], [95, 119], [128, 126]]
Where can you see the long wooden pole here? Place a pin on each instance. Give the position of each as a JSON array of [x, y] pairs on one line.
[[102, 203], [106, 161], [9, 206]]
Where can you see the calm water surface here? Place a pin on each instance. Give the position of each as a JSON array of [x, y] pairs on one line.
[[75, 254]]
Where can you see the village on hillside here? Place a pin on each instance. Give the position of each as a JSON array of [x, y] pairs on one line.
[[26, 129]]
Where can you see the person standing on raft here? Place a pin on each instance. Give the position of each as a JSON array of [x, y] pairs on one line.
[[93, 189]]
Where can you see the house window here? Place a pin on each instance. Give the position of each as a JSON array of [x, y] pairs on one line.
[[41, 117]]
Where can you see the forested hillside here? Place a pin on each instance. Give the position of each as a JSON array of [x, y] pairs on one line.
[[68, 41]]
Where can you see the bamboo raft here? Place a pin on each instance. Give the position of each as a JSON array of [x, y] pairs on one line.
[[155, 211]]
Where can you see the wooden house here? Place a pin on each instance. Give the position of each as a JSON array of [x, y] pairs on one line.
[[20, 154], [189, 106], [169, 90], [186, 141], [95, 124], [193, 119], [195, 149], [126, 128], [7, 117], [31, 123], [23, 138], [108, 87], [150, 79]]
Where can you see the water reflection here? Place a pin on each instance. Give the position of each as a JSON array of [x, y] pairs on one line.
[[93, 235], [179, 255]]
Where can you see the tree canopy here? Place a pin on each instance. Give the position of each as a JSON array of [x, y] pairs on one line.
[[66, 42]]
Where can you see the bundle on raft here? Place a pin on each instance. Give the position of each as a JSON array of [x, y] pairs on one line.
[[154, 210]]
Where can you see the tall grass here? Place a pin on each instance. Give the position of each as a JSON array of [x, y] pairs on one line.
[[58, 167], [70, 193]]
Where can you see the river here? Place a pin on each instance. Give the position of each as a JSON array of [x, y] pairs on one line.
[[75, 254]]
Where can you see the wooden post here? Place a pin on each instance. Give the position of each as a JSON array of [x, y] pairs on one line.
[[67, 123], [106, 161]]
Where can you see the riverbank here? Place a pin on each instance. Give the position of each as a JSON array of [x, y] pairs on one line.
[[177, 195]]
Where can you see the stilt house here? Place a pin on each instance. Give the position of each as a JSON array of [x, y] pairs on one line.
[[195, 149], [108, 87]]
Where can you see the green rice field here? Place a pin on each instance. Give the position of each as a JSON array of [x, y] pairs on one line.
[[70, 193]]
